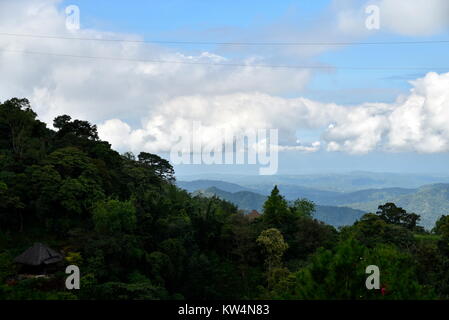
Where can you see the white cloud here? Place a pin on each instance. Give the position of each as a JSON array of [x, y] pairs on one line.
[[236, 113], [314, 147], [415, 17], [404, 17], [416, 122]]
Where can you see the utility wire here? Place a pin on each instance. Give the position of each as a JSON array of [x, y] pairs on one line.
[[216, 63], [40, 36]]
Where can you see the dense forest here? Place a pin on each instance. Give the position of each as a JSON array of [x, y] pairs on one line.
[[135, 235]]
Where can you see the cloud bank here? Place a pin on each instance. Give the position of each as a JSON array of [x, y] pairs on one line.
[[416, 122]]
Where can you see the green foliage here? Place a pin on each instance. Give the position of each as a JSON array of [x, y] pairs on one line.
[[392, 214], [340, 274], [36, 289], [161, 167], [77, 128], [303, 208], [7, 269], [442, 226], [274, 246], [372, 230], [113, 216], [275, 209], [74, 258], [309, 235]]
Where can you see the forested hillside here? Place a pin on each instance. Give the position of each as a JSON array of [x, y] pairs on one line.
[[247, 200], [135, 235], [431, 201]]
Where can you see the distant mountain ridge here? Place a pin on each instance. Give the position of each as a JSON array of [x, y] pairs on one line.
[[336, 216], [429, 201], [338, 182], [334, 198], [195, 185], [293, 192]]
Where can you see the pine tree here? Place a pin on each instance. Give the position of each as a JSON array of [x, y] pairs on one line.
[[275, 209]]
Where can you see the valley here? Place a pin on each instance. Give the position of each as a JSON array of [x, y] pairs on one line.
[[337, 208]]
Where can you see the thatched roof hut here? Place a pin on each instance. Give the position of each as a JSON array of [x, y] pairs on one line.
[[39, 255]]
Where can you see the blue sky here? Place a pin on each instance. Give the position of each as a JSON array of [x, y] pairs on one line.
[[363, 119], [199, 20], [161, 17]]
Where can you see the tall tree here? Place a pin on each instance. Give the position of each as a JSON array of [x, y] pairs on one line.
[[273, 246], [76, 128], [17, 124], [161, 167], [275, 209], [390, 213]]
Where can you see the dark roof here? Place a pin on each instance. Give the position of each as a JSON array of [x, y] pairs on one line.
[[37, 255]]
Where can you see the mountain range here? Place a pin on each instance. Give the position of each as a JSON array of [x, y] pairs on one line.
[[247, 200], [334, 207], [339, 182]]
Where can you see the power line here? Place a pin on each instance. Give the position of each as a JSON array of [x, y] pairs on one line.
[[38, 36], [218, 64]]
